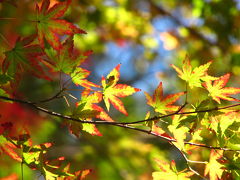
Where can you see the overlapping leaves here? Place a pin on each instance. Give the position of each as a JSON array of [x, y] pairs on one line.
[[34, 156], [168, 171], [66, 60]]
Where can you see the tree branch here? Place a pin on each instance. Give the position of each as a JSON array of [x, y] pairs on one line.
[[126, 124]]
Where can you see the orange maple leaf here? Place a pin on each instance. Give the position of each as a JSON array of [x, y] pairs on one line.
[[217, 90], [112, 90], [163, 104], [49, 25]]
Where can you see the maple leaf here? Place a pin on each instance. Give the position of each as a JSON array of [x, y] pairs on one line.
[[214, 168], [9, 149], [154, 128], [50, 27], [179, 133], [67, 62], [23, 57], [35, 156], [159, 131], [87, 109], [170, 171], [217, 90], [80, 175], [88, 103], [91, 129], [193, 77], [112, 90], [161, 104]]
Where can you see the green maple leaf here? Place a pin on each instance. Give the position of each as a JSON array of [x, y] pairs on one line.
[[160, 103], [112, 91], [194, 77], [50, 27], [67, 62], [217, 90], [64, 60], [23, 57]]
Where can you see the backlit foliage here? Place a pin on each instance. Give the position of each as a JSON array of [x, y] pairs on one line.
[[197, 121]]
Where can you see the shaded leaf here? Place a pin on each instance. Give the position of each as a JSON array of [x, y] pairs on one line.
[[23, 58]]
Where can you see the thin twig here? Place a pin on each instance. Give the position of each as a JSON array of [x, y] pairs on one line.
[[56, 96], [187, 161], [125, 124]]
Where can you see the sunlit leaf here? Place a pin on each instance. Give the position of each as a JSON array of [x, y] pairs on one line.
[[91, 129], [66, 60], [170, 172], [194, 77], [214, 168], [163, 104], [217, 90], [49, 25], [112, 91], [88, 103]]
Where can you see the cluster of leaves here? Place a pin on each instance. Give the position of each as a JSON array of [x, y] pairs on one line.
[[190, 123], [51, 51], [22, 150], [44, 56]]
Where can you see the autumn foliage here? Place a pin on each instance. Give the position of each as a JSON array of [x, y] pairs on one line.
[[49, 55]]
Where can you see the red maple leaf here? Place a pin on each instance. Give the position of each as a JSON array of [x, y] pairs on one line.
[[50, 27], [23, 58]]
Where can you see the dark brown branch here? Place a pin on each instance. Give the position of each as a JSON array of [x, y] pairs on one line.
[[126, 124], [56, 96], [179, 113]]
